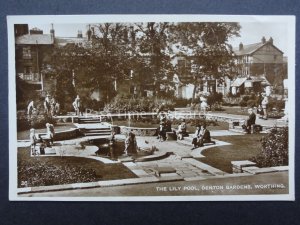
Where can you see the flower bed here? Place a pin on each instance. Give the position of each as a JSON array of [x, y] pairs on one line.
[[44, 171]]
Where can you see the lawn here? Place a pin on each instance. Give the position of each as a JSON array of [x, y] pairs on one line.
[[56, 170], [242, 148]]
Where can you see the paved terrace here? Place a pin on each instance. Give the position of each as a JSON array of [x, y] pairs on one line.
[[174, 160]]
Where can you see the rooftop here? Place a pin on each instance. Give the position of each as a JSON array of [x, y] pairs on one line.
[[33, 39]]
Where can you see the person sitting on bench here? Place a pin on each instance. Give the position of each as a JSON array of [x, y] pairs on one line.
[[162, 132], [196, 136], [181, 132], [205, 137], [250, 121]]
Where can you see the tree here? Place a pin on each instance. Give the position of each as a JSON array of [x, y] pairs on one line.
[[96, 64], [152, 54], [206, 44]]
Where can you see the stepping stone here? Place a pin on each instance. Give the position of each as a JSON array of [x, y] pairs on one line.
[[125, 159], [160, 170], [256, 170], [50, 151]]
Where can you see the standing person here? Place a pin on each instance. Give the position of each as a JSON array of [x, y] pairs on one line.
[[30, 108], [259, 99], [203, 103], [77, 105], [196, 137], [52, 107], [130, 144], [47, 105], [33, 141], [264, 105], [50, 132], [57, 108]]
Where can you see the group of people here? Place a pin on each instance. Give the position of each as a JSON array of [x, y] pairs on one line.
[[201, 136], [263, 102], [130, 144], [51, 107], [45, 140], [164, 127]]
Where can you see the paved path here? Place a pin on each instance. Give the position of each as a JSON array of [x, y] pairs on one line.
[[221, 186], [269, 122]]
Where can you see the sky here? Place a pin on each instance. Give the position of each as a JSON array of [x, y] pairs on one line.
[[251, 32]]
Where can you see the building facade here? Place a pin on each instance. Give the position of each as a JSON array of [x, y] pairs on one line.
[[31, 48], [261, 59]]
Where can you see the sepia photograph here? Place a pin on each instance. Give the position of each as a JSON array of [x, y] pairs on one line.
[[151, 108]]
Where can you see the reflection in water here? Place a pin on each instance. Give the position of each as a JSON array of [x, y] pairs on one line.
[[111, 149]]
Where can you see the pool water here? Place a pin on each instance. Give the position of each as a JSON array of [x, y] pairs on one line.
[[110, 150]]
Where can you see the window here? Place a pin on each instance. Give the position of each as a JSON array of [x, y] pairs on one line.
[[275, 57], [26, 53]]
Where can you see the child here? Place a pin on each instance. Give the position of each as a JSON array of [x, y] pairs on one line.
[[33, 141]]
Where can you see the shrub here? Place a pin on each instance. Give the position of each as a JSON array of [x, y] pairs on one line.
[[251, 103], [243, 103], [125, 104], [276, 104], [181, 102], [274, 151], [214, 99]]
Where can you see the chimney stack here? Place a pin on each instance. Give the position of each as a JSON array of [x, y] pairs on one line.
[[271, 40], [89, 33], [263, 40], [79, 35], [241, 46], [52, 31]]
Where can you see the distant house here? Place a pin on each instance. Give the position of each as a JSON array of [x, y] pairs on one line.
[[262, 58], [31, 47], [250, 84], [184, 79]]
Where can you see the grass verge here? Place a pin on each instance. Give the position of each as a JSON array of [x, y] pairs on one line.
[[242, 148]]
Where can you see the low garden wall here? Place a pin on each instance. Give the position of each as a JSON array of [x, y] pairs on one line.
[[138, 131], [65, 135]]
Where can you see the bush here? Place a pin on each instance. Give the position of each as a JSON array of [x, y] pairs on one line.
[[181, 102], [248, 101], [274, 151], [214, 99], [243, 103], [126, 104], [276, 104], [251, 103]]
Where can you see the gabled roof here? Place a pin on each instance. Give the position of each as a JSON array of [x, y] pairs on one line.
[[251, 48], [238, 81], [33, 39]]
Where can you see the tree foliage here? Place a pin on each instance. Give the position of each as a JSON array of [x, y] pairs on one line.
[[116, 49], [207, 44]]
